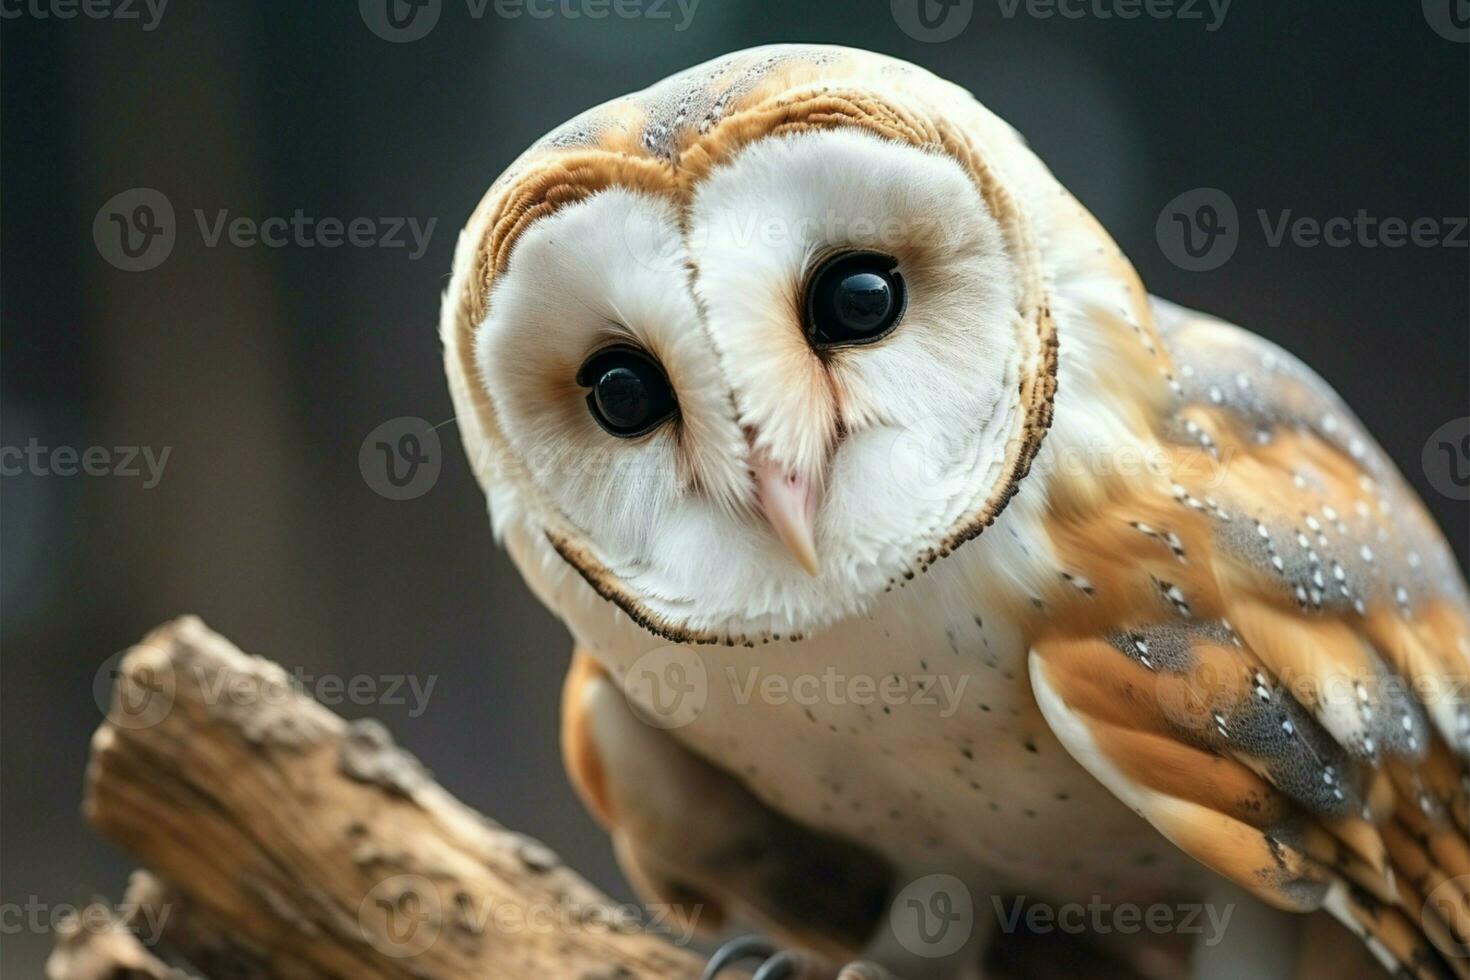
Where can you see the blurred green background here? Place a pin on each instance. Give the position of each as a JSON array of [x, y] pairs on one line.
[[263, 369]]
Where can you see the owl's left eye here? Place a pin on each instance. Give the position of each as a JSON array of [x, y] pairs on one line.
[[854, 298], [630, 395]]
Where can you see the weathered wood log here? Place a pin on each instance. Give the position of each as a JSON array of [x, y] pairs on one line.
[[285, 842]]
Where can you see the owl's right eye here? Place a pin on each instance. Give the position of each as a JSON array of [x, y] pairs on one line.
[[629, 394]]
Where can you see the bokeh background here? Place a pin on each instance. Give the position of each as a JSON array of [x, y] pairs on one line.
[[263, 369]]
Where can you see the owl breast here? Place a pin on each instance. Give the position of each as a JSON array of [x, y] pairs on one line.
[[913, 731]]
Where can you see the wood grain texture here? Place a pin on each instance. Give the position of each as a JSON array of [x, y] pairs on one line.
[[286, 842]]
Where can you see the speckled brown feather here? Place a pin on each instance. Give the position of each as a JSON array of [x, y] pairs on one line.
[[1215, 615]]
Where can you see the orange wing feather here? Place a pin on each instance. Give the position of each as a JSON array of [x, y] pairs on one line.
[[1272, 657]]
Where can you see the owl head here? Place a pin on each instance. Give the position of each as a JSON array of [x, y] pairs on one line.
[[741, 353]]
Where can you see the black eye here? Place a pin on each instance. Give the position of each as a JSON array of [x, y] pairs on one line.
[[854, 298], [630, 395]]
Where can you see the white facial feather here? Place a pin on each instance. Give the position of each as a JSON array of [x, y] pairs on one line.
[[910, 432], [575, 285], [767, 217]]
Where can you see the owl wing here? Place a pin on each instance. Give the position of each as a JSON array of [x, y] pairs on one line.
[[697, 845], [1268, 656]]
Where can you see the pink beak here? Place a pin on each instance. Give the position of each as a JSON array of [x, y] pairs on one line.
[[789, 502]]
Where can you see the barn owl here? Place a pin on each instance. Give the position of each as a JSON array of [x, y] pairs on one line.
[[800, 367]]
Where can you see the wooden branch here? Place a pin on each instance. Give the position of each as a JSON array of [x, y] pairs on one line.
[[287, 842]]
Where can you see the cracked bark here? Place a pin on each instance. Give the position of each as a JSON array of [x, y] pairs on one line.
[[282, 841]]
